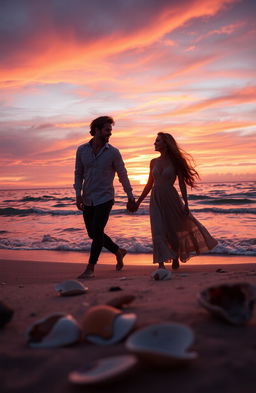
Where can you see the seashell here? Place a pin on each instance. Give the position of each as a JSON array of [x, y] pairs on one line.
[[105, 324], [104, 370], [71, 288], [121, 301], [231, 302], [6, 314], [163, 344], [161, 274], [56, 330]]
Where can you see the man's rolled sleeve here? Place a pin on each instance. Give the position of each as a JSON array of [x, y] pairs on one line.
[[78, 182]]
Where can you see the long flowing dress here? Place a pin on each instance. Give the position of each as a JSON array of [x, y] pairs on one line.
[[174, 234]]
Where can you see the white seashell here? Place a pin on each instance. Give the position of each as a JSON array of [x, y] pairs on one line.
[[107, 325], [71, 288], [231, 302], [163, 345], [56, 330], [161, 274], [104, 370]]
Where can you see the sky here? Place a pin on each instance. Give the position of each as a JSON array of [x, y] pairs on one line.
[[185, 67]]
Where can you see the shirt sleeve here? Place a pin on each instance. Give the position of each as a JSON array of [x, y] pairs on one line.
[[79, 173], [122, 174]]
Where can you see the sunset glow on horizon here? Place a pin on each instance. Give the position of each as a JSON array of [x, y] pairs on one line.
[[187, 68]]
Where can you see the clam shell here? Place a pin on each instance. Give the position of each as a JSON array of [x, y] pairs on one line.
[[71, 288], [232, 302], [161, 274], [104, 370], [56, 330], [106, 325], [163, 344]]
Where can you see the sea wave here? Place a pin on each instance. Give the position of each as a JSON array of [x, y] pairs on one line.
[[195, 197], [133, 245], [10, 211], [228, 201], [241, 210], [43, 198]]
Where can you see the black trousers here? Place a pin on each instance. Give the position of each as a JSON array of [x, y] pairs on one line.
[[95, 219]]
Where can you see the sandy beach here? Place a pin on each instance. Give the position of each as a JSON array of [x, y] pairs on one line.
[[226, 354]]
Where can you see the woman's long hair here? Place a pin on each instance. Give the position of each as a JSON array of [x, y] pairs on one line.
[[182, 161]]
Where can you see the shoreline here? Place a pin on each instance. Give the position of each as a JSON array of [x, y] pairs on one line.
[[19, 273], [51, 256]]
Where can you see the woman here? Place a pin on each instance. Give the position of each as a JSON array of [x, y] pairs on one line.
[[176, 234]]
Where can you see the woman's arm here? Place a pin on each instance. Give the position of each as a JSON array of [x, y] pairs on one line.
[[183, 190], [148, 186]]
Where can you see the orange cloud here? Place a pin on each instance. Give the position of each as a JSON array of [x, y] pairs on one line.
[[244, 95], [49, 50], [171, 66]]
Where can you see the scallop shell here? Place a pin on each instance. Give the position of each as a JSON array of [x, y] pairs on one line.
[[56, 330], [71, 288], [104, 370], [231, 302], [163, 344], [106, 325], [161, 274]]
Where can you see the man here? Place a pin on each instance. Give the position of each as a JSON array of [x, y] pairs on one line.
[[96, 164]]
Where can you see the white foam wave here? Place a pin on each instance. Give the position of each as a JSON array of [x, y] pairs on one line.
[[133, 245]]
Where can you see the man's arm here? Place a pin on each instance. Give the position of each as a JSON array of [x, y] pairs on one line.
[[78, 181], [122, 175]]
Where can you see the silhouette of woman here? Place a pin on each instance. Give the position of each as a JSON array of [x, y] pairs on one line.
[[176, 234]]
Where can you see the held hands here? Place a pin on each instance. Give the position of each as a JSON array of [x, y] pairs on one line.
[[132, 206]]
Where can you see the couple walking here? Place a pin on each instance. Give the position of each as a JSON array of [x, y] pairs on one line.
[[176, 234]]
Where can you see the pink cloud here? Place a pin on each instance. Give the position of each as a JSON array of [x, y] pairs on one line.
[[181, 67], [41, 38]]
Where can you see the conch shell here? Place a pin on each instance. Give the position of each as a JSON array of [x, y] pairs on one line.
[[231, 302], [71, 288], [56, 330], [105, 324]]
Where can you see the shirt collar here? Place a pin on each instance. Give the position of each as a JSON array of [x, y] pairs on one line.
[[106, 146]]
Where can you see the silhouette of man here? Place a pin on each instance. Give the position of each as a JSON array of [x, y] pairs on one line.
[[96, 164]]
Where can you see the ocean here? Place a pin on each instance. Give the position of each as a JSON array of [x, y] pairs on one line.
[[47, 219]]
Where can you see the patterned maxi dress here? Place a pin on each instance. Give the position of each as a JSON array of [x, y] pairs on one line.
[[174, 234]]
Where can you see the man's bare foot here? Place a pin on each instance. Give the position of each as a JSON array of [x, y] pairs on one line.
[[121, 252], [88, 273], [175, 264]]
